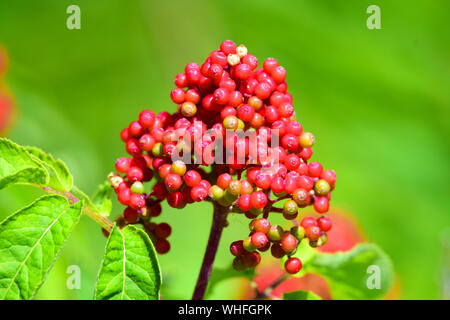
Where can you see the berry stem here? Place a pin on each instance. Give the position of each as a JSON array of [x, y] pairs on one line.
[[103, 221], [219, 220]]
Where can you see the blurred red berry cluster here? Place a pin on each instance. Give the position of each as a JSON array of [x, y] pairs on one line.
[[234, 141], [6, 101]]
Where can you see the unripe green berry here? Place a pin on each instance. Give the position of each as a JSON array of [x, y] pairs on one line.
[[216, 193], [137, 187], [256, 211], [234, 187], [241, 125], [292, 252], [247, 244], [275, 233], [158, 149], [290, 209], [224, 202], [298, 232], [228, 196], [314, 244], [322, 187], [322, 239]]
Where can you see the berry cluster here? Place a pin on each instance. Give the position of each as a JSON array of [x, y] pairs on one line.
[[6, 102], [233, 141], [264, 236]]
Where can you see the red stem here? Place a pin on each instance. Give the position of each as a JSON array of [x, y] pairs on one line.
[[219, 220]]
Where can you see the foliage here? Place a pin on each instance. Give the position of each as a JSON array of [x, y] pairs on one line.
[[32, 238]]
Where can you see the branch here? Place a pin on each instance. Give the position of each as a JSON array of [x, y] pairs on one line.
[[219, 219], [103, 221]]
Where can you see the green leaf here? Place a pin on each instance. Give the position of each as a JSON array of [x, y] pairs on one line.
[[30, 241], [102, 199], [60, 177], [301, 295], [354, 274], [18, 166], [130, 268]]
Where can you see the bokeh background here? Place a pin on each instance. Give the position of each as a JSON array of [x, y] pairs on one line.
[[378, 102]]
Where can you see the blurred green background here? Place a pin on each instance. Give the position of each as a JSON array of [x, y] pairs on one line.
[[377, 101]]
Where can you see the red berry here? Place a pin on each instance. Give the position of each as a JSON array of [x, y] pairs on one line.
[[177, 95], [133, 147], [124, 196], [243, 71], [136, 129], [244, 202], [293, 265], [124, 135], [192, 178], [277, 184], [251, 259], [277, 251], [180, 80], [199, 193], [164, 170], [324, 223], [308, 222], [135, 174], [228, 47], [313, 233], [176, 200], [236, 248], [258, 200], [306, 183], [163, 230], [261, 225], [288, 243], [173, 182], [130, 215], [269, 65], [155, 209], [123, 165], [219, 58], [162, 246], [329, 176], [278, 74], [224, 180], [160, 191], [286, 110], [246, 112], [315, 169], [321, 204], [294, 128], [147, 142], [251, 60], [290, 142], [263, 181], [259, 240], [137, 201], [292, 162], [262, 90], [235, 98]]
